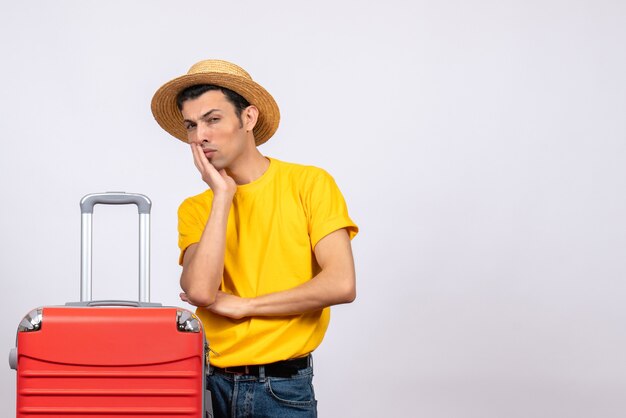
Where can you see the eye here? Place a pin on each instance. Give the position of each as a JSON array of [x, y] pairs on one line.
[[213, 120], [190, 126]]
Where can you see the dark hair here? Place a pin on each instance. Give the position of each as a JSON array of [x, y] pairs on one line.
[[193, 92]]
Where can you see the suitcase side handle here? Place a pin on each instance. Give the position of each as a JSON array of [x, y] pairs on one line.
[[87, 204]]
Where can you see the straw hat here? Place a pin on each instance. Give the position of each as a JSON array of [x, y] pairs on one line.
[[223, 74]]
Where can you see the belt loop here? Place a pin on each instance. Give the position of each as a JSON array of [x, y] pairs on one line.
[[261, 373], [311, 361]]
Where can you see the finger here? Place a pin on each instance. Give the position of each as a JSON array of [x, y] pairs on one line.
[[225, 175], [204, 161], [198, 156], [194, 154], [201, 161]]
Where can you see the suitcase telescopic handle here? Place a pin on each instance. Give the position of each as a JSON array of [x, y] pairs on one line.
[[87, 204]]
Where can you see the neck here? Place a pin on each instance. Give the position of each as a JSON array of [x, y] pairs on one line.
[[249, 168]]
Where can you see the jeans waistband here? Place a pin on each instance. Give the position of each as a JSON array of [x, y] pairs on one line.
[[284, 368]]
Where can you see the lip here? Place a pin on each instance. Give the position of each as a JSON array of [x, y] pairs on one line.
[[209, 152]]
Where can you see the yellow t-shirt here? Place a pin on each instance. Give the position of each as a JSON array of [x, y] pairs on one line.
[[273, 226]]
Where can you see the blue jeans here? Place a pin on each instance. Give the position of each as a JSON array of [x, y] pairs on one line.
[[245, 396]]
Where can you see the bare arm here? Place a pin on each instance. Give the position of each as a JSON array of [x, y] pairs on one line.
[[335, 284], [203, 263]]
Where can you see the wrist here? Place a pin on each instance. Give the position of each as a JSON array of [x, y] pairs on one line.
[[248, 307], [221, 205], [223, 198]]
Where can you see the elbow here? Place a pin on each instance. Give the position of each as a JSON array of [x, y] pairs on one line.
[[202, 300], [349, 295], [200, 297], [197, 293], [348, 292]]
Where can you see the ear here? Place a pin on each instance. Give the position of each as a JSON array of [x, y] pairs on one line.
[[249, 117]]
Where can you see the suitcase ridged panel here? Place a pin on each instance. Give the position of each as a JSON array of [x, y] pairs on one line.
[[112, 387], [106, 412]]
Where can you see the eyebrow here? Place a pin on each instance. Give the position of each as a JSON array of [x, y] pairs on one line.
[[203, 116]]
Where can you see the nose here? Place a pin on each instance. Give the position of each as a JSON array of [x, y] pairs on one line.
[[200, 135], [203, 132]]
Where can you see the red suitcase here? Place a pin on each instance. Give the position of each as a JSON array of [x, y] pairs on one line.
[[111, 358]]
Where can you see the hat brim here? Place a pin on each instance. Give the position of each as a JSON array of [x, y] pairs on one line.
[[168, 116]]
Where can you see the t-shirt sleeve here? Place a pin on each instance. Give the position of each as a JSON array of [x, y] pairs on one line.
[[190, 227], [327, 211]]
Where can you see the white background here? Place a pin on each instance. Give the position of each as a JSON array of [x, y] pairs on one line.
[[480, 145]]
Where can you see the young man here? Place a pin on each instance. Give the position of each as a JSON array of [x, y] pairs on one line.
[[265, 250]]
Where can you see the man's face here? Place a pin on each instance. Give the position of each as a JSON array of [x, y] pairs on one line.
[[211, 121]]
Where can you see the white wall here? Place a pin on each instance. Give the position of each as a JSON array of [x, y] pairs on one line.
[[481, 147]]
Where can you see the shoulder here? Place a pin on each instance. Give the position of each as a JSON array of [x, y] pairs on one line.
[[197, 202], [301, 172]]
